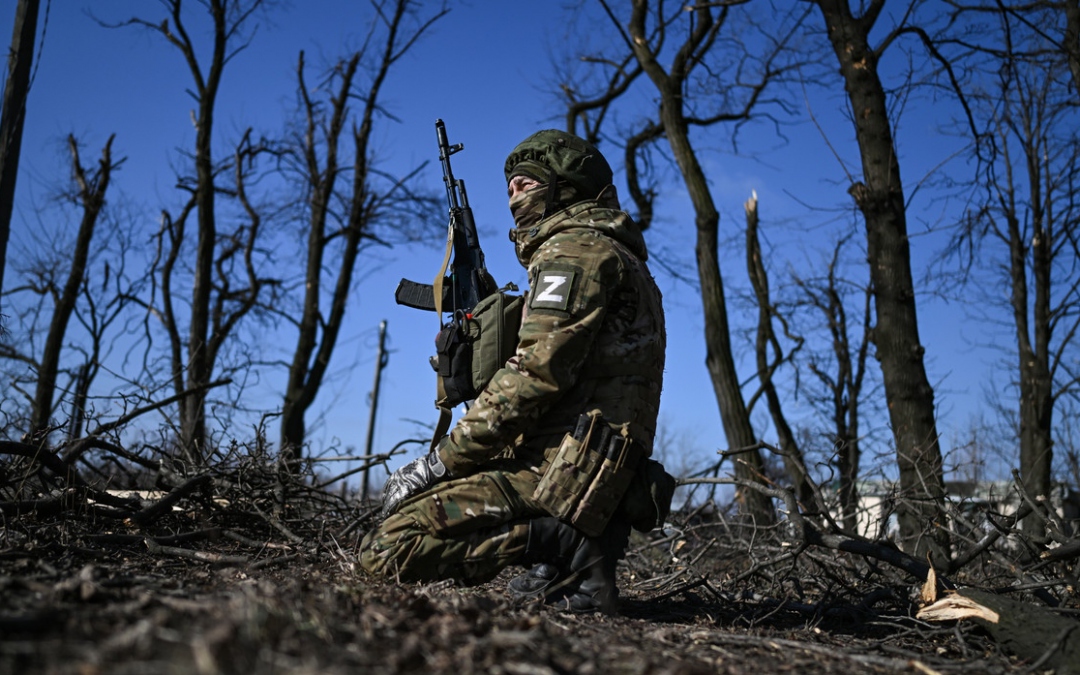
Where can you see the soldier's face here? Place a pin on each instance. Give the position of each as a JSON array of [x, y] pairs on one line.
[[519, 184]]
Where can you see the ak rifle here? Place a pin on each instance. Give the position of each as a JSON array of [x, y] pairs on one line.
[[468, 281]]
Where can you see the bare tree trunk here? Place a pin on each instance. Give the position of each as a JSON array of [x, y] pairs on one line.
[[1033, 344], [305, 375], [1033, 315], [880, 198], [13, 115], [853, 373], [91, 195], [719, 360], [794, 464], [199, 365]]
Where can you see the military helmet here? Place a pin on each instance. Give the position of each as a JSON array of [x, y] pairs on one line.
[[553, 153]]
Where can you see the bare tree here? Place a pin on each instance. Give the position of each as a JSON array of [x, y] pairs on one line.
[[840, 372], [770, 356], [683, 86], [348, 219], [880, 198], [215, 308], [72, 288], [1024, 226], [13, 114], [90, 194], [102, 312]]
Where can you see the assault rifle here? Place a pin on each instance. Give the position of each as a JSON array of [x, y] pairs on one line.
[[469, 281]]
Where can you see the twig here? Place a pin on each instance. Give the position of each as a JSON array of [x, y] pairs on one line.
[[158, 508], [276, 560], [246, 541], [184, 537], [121, 421], [278, 525], [690, 585], [200, 556]]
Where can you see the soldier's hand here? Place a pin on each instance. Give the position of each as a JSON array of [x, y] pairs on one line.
[[413, 478]]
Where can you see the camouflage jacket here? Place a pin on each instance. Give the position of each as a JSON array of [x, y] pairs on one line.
[[592, 336]]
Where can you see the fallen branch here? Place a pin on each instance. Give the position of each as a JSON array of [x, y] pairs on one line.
[[200, 556], [211, 534], [1029, 631], [81, 446], [67, 501], [810, 534], [43, 455], [990, 538], [158, 508], [1067, 551]]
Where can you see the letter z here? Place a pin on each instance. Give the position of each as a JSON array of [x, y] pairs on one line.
[[552, 290]]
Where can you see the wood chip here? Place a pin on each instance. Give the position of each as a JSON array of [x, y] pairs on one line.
[[953, 607], [928, 594]]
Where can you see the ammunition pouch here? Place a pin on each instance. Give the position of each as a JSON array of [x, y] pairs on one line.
[[586, 480], [472, 347]]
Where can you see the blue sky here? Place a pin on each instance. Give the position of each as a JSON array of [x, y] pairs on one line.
[[484, 70]]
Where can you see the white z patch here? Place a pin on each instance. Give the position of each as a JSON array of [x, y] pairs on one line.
[[552, 290], [553, 281]]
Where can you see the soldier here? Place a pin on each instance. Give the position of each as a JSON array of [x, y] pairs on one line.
[[592, 340]]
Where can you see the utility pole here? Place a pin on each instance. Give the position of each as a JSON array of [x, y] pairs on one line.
[[380, 363]]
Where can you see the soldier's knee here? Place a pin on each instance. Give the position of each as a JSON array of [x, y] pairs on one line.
[[387, 550]]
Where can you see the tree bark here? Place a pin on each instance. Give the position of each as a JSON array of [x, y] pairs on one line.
[[880, 198], [13, 115], [1072, 41], [199, 365]]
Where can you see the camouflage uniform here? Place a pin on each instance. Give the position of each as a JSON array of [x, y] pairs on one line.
[[592, 337]]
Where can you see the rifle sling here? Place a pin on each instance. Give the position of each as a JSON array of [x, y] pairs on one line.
[[438, 285], [441, 427]]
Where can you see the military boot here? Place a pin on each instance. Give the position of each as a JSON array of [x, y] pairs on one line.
[[593, 567], [550, 547], [573, 571]]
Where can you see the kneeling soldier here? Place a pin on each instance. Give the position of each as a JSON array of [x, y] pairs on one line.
[[547, 469]]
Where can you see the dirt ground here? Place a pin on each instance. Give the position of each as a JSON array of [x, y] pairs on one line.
[[215, 589]]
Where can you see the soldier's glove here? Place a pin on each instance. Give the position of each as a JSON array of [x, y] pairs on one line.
[[413, 478]]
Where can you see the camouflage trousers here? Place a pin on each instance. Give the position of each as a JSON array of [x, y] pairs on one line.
[[467, 529]]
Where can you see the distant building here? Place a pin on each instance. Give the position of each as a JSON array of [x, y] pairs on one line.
[[970, 499]]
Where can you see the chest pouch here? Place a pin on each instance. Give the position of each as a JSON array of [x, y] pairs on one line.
[[590, 473], [472, 347]]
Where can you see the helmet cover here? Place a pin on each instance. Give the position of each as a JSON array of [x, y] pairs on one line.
[[553, 153]]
